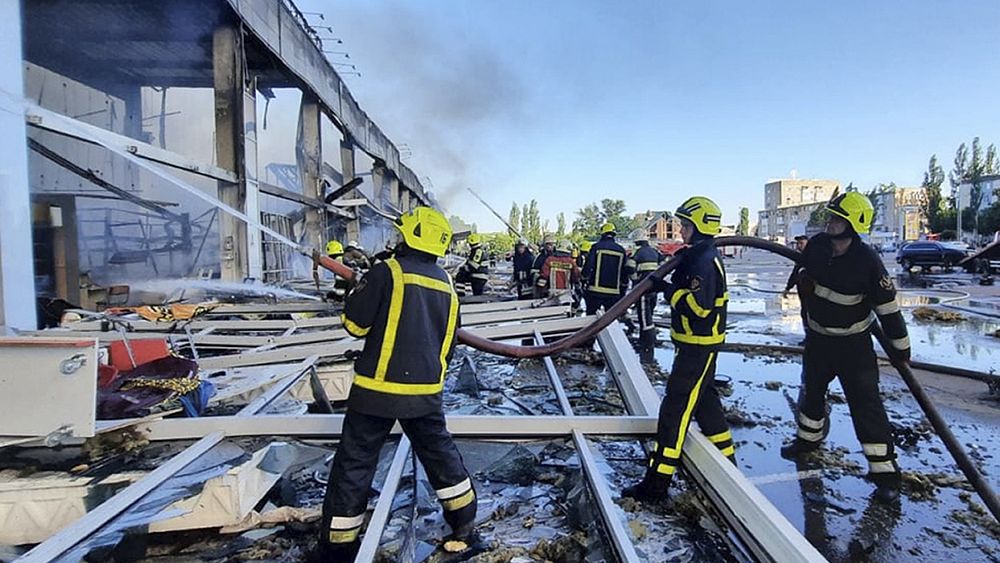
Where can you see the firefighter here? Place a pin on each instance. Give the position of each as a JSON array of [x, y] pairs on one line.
[[355, 257], [581, 260], [698, 297], [644, 260], [605, 274], [335, 251], [559, 272], [523, 260], [407, 311], [475, 270], [548, 248], [845, 287]]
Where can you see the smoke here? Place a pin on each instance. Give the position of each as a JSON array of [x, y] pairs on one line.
[[437, 89]]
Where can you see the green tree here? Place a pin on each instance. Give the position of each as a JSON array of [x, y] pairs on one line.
[[932, 204], [743, 227], [613, 211], [561, 225], [514, 217], [878, 202], [532, 223], [588, 220]]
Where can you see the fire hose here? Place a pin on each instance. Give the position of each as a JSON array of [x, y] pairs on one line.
[[589, 332]]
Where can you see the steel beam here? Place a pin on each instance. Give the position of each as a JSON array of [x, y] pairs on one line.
[[54, 547], [619, 535], [468, 426], [550, 368], [17, 282], [383, 507], [279, 388], [46, 120], [764, 530]]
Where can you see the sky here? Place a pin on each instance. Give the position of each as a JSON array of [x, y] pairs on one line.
[[569, 102]]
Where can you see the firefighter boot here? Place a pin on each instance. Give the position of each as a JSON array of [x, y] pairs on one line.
[[652, 489], [797, 447], [887, 487]]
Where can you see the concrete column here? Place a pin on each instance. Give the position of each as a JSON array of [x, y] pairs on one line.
[[236, 150], [17, 270], [347, 173], [310, 160], [394, 191], [378, 183]]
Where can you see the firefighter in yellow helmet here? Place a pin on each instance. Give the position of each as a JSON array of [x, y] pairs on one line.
[[698, 296], [605, 275], [845, 287], [334, 250], [644, 260], [406, 310], [476, 268]]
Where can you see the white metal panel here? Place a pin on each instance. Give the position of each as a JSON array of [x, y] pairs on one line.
[[47, 385]]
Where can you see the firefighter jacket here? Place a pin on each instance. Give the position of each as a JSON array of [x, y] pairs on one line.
[[643, 261], [844, 294], [559, 272], [605, 272], [536, 267], [477, 263], [407, 311], [698, 297], [522, 266]]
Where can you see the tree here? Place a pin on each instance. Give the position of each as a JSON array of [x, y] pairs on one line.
[[588, 220], [613, 211], [744, 226], [514, 217], [561, 225], [970, 169], [878, 202], [931, 203], [533, 223], [524, 224]]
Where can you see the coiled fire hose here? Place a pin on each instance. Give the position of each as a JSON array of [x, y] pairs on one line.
[[587, 333]]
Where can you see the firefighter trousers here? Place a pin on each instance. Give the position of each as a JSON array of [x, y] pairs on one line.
[[478, 284], [596, 301], [690, 394], [354, 465], [647, 330], [852, 360]]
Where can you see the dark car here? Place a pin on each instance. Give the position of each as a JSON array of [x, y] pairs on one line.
[[928, 253]]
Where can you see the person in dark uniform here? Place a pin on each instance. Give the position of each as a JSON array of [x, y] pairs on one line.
[[523, 261], [476, 269], [407, 311], [698, 300], [846, 286], [548, 248], [605, 274], [641, 263]]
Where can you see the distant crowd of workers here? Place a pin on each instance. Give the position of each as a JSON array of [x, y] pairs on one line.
[[407, 311]]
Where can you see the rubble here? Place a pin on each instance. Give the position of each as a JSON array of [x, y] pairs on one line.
[[930, 314]]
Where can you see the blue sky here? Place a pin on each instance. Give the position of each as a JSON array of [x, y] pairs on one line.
[[569, 102]]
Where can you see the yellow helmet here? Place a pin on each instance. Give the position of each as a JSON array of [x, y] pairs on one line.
[[854, 208], [425, 229], [608, 228], [475, 239], [703, 213], [585, 245], [334, 248]]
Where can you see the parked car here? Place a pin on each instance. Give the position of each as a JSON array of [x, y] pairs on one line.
[[926, 253]]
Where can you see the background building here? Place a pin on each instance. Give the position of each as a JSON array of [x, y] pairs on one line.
[[898, 215], [660, 225], [788, 203]]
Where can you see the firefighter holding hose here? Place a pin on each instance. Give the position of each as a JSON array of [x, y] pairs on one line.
[[406, 310], [845, 287], [698, 300]]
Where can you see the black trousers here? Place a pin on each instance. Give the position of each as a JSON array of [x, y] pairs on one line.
[[596, 301], [852, 360], [647, 330], [354, 465], [478, 285], [691, 394]]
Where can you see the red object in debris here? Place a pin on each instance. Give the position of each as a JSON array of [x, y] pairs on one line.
[[106, 375], [670, 248], [143, 351]]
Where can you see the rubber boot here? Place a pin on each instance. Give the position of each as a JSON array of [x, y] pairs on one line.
[[652, 489], [887, 487], [797, 447], [336, 552]]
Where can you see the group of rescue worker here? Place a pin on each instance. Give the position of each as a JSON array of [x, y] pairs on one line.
[[407, 311]]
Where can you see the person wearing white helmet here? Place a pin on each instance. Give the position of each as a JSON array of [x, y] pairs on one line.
[[523, 260], [559, 272]]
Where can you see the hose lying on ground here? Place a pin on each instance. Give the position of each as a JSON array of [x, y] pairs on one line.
[[590, 331]]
